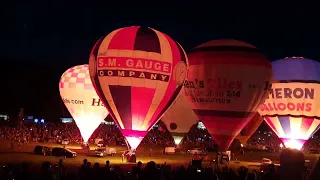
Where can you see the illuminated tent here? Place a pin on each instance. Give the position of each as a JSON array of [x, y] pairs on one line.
[[179, 118], [226, 84], [138, 72], [81, 100], [293, 107], [249, 129]]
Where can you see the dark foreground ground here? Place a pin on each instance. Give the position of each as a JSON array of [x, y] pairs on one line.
[[250, 160]]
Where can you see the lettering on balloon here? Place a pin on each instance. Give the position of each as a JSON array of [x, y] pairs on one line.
[[134, 74], [218, 90], [291, 95], [72, 101], [96, 102], [134, 63]]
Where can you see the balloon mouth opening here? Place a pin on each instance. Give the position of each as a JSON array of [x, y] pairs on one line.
[[293, 143], [133, 142], [177, 140]]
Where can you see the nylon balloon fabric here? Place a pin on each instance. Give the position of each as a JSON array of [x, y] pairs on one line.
[[292, 110], [81, 100], [227, 82], [179, 118], [138, 72], [250, 128]]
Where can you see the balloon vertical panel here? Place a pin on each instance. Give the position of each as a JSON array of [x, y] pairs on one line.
[[138, 73], [179, 118], [81, 100], [250, 128]]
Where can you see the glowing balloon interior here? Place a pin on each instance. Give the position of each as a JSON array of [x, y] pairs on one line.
[[81, 100], [227, 82], [292, 110], [250, 128], [179, 118], [138, 72]]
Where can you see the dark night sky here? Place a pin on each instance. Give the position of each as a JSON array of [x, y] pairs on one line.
[[40, 41]]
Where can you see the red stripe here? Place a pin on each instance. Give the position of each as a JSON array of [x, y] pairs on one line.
[[231, 125], [133, 133], [269, 122], [215, 124], [141, 99], [176, 57], [230, 57], [223, 141], [306, 124], [124, 39], [253, 124]]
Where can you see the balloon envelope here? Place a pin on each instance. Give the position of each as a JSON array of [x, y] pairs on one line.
[[138, 72], [179, 118], [250, 128], [226, 84], [292, 110], [81, 100]]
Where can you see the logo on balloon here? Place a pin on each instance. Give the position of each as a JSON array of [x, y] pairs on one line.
[[289, 99], [222, 90], [72, 101], [173, 126], [96, 102], [134, 63]]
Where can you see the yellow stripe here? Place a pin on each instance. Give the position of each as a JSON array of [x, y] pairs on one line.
[[106, 91], [166, 55], [275, 121], [312, 128], [106, 41], [184, 53], [295, 127], [166, 50]]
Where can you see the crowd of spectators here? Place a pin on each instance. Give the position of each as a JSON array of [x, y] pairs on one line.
[[150, 171], [55, 133]]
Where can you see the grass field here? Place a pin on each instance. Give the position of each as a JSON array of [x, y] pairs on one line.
[[24, 154]]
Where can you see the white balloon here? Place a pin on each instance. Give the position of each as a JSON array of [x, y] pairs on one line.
[[81, 99]]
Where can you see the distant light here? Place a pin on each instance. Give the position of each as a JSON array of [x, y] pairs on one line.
[[42, 121], [36, 120]]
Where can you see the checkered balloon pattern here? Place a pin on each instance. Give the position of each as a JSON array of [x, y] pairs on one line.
[[76, 77]]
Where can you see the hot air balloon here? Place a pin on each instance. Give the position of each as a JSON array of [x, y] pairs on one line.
[[81, 100], [138, 72], [227, 82], [292, 110], [179, 118], [250, 128]]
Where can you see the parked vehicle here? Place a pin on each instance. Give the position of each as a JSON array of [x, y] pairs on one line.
[[199, 151], [42, 150], [105, 151], [63, 152], [65, 142], [169, 150]]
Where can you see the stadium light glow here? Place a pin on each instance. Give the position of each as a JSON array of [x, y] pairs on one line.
[[177, 139], [133, 141]]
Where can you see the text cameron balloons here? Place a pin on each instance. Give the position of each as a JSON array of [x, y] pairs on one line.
[[227, 82], [293, 108], [138, 72], [179, 118], [81, 100]]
